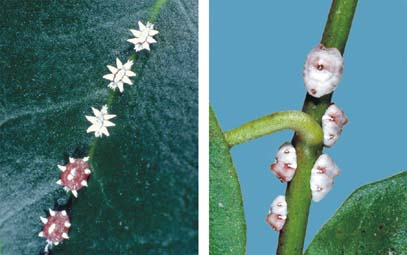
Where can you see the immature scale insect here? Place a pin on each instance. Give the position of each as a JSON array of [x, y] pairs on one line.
[[74, 175], [56, 228]]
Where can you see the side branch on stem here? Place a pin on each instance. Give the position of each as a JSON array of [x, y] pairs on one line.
[[307, 129]]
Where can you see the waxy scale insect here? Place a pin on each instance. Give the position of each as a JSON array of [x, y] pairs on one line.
[[322, 177], [285, 163], [322, 70], [333, 121], [74, 175], [277, 214], [56, 228]]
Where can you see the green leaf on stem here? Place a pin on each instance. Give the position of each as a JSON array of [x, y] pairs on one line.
[[227, 223], [373, 220]]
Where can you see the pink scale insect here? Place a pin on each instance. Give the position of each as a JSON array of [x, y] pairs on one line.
[[285, 163], [74, 175], [56, 228], [333, 121], [277, 214], [323, 70]]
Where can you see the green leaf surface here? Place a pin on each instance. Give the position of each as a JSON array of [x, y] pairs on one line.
[[142, 195], [227, 222], [373, 220]]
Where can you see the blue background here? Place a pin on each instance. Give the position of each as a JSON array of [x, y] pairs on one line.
[[257, 51]]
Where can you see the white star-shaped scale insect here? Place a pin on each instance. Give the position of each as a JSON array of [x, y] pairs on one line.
[[120, 75], [100, 122], [143, 36]]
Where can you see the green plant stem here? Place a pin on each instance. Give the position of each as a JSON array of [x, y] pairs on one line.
[[298, 193], [307, 129]]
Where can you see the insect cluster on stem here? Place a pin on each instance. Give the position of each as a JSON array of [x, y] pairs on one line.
[[322, 73]]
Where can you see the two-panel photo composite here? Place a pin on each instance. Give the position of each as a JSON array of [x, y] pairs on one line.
[[203, 127]]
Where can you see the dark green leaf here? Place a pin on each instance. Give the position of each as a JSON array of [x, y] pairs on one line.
[[142, 195], [227, 221], [373, 220]]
